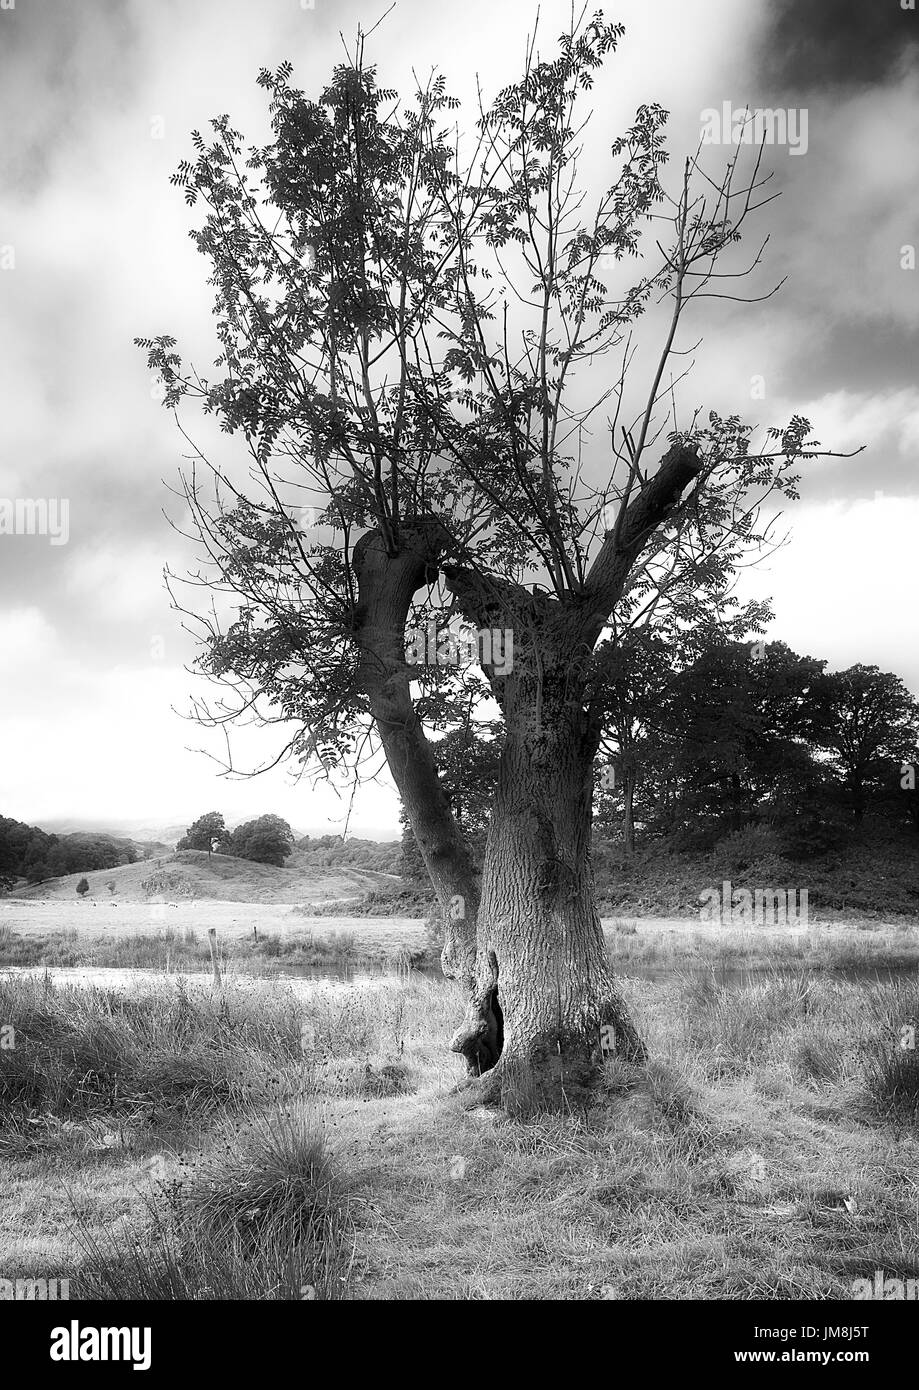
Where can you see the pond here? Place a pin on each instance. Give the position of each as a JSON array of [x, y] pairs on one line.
[[728, 976]]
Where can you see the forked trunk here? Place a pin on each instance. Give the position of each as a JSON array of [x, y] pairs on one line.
[[526, 943]]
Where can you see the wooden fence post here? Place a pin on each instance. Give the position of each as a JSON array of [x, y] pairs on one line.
[[212, 939]]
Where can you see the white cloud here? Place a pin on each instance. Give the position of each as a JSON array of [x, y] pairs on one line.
[[112, 743], [849, 419], [845, 586], [119, 584], [27, 641]]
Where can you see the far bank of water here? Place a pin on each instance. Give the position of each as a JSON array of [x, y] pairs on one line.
[[343, 976]]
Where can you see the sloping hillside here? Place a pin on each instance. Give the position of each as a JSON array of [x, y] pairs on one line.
[[193, 874]]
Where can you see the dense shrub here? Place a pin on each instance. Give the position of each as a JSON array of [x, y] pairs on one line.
[[397, 901], [743, 848], [169, 883]]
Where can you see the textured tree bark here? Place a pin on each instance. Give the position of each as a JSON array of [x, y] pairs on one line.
[[541, 962], [386, 584], [540, 951]]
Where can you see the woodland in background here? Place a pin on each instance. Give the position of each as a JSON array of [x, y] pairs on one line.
[[30, 853], [754, 736], [746, 759]]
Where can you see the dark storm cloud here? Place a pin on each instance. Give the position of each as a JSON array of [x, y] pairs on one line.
[[815, 44], [846, 324]]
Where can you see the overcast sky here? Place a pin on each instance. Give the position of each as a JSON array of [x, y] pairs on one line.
[[97, 101]]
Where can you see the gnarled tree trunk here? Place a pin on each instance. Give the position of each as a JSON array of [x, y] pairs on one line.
[[526, 943], [541, 959], [386, 585]]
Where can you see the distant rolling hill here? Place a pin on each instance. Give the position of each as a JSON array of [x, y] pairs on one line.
[[192, 874]]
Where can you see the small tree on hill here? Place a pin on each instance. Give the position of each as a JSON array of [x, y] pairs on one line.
[[82, 887]]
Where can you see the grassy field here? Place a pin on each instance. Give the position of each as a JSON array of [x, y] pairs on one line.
[[279, 1139], [269, 1141], [262, 937], [83, 929]]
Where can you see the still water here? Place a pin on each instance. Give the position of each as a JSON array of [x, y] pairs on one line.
[[729, 976], [345, 976]]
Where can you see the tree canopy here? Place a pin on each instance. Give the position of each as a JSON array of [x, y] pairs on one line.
[[266, 840], [208, 832], [403, 318]]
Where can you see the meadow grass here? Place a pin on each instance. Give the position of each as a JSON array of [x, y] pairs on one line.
[[265, 1141], [829, 946], [188, 949], [633, 945], [263, 1214]]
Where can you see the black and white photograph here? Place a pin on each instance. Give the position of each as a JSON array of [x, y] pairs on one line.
[[459, 713]]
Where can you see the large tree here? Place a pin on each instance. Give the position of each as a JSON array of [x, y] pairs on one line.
[[419, 334], [729, 737], [208, 832], [267, 840], [867, 722]]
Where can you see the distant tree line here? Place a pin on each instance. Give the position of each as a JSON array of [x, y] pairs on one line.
[[705, 738], [751, 734], [33, 854], [330, 851], [270, 840]]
